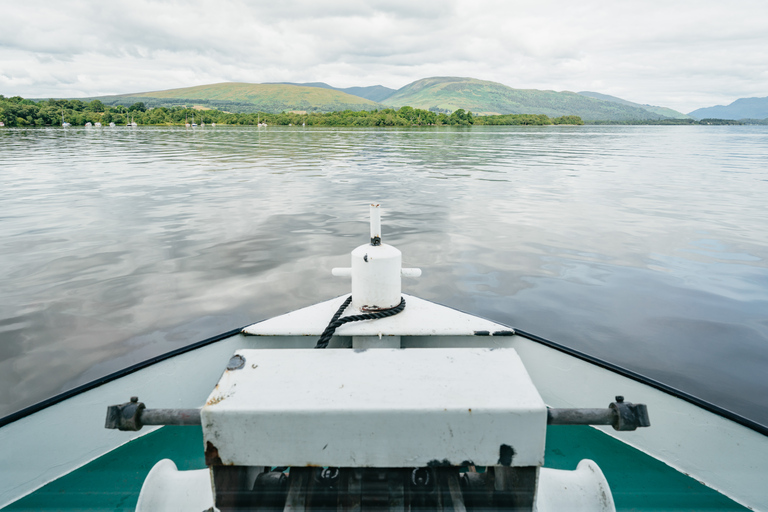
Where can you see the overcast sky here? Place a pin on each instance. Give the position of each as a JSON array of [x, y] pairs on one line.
[[679, 54]]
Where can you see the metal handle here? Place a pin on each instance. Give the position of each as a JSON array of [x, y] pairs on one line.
[[133, 415], [620, 415]]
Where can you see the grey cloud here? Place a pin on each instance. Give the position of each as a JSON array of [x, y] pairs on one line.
[[340, 9], [674, 54]]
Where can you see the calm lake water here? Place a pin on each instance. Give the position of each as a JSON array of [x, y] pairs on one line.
[[645, 246]]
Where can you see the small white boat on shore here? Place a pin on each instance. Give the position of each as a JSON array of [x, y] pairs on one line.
[[379, 400]]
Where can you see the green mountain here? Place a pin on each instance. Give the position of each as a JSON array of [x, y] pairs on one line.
[[372, 92], [743, 108], [243, 97], [662, 111], [441, 94], [483, 97]]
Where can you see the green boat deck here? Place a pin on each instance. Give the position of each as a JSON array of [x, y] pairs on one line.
[[638, 482]]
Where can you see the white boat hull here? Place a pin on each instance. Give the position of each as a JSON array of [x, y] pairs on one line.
[[722, 454]]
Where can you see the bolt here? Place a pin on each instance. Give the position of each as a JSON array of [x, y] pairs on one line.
[[619, 398], [329, 476], [134, 399], [236, 362], [420, 477]]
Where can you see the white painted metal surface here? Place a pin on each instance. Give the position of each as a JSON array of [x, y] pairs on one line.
[[375, 221], [419, 318], [375, 271], [166, 489], [366, 342], [584, 489], [376, 408], [376, 276]]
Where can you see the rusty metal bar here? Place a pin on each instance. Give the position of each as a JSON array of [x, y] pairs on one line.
[[580, 416], [170, 417], [133, 415], [620, 415]]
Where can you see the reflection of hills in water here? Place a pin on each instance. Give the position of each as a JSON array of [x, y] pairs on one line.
[[158, 237]]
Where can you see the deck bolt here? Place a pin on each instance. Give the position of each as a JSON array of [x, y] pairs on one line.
[[236, 362], [420, 477], [329, 476]]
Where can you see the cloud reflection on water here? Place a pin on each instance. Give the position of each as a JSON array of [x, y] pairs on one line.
[[630, 243]]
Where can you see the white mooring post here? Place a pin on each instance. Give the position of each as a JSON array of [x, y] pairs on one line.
[[376, 270], [375, 224]]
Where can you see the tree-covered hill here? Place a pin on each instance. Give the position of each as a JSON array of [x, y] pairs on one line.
[[244, 98], [372, 92], [483, 97]]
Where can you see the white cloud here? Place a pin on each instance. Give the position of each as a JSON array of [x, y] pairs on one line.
[[678, 54]]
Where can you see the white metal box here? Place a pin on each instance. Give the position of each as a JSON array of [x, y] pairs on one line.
[[376, 408]]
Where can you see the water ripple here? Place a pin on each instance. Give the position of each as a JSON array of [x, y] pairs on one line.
[[642, 245]]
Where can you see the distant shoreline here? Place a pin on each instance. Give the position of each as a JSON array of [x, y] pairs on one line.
[[20, 112]]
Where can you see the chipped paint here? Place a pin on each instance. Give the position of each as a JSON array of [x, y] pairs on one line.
[[434, 463], [506, 453], [212, 457], [215, 400]]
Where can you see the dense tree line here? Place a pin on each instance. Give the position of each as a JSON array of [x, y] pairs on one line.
[[527, 119], [17, 111]]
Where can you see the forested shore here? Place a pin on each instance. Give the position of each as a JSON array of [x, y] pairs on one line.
[[20, 112], [17, 111]]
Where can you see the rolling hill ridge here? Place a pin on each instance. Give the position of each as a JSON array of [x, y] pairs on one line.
[[372, 92], [441, 94], [243, 97], [743, 108], [484, 97], [662, 111]]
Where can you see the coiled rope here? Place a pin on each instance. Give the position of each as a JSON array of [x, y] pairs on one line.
[[336, 321]]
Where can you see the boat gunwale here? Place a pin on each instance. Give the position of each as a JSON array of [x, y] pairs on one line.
[[48, 402], [642, 379], [638, 377]]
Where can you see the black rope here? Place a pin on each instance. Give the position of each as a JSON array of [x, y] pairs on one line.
[[336, 322]]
